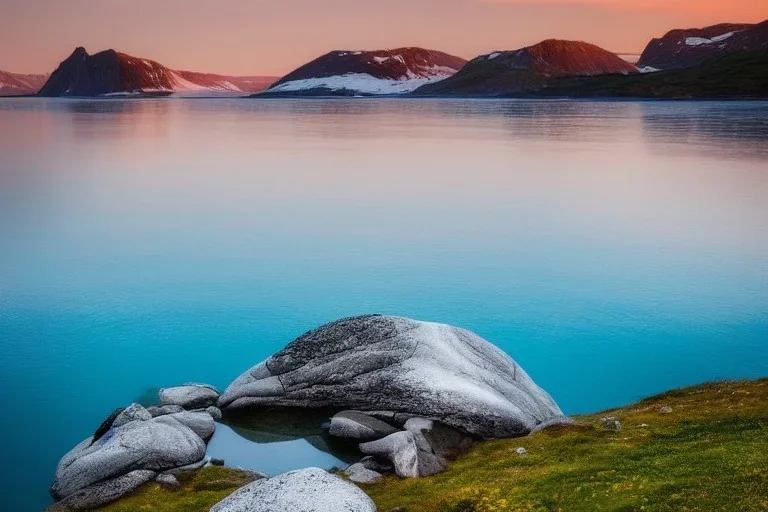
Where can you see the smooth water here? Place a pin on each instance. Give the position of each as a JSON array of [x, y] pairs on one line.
[[614, 249]]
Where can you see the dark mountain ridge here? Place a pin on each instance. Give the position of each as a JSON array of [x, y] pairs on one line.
[[114, 73], [529, 68], [352, 72], [683, 48]]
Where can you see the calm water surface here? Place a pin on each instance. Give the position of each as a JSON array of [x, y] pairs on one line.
[[614, 249]]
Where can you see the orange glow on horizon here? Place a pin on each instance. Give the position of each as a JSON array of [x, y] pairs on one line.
[[272, 37]]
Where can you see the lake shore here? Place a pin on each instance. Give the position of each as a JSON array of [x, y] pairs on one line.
[[698, 448]]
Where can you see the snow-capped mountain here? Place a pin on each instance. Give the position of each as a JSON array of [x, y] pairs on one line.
[[530, 68], [111, 73], [352, 73], [15, 84], [689, 47]]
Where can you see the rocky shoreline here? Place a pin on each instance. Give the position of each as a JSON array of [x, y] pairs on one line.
[[412, 395]]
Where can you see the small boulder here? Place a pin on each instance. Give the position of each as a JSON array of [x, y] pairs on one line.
[[133, 412], [168, 481], [101, 493], [665, 410], [217, 462], [215, 413], [305, 490], [610, 423], [409, 453], [190, 396], [360, 474], [201, 423], [360, 426], [521, 451], [152, 445], [377, 464], [162, 410], [443, 441]]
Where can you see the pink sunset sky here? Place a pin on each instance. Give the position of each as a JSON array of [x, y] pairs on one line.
[[271, 37]]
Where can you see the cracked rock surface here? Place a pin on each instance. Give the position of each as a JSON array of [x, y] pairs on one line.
[[402, 366], [305, 490]]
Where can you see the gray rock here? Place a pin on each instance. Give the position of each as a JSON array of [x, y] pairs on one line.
[[217, 462], [101, 493], [442, 440], [215, 413], [168, 481], [610, 423], [162, 410], [521, 451], [377, 464], [360, 474], [360, 426], [665, 410], [305, 490], [188, 468], [201, 423], [133, 412], [107, 423], [409, 453], [403, 366], [190, 396], [152, 445]]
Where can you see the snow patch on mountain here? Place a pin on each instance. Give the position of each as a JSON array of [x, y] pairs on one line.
[[697, 41], [361, 83]]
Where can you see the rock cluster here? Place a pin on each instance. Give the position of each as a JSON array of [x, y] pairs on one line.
[[133, 446]]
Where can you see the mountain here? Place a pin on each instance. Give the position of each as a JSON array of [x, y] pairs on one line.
[[529, 68], [684, 48], [111, 73], [738, 75], [14, 84], [352, 73]]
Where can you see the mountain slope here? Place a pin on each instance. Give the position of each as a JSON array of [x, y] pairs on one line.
[[15, 84], [738, 75], [348, 73], [528, 68], [685, 48], [109, 73]]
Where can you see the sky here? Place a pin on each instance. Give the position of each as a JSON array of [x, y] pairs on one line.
[[272, 37]]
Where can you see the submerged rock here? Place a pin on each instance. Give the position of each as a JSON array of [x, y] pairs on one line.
[[305, 490], [358, 425], [190, 396], [398, 365]]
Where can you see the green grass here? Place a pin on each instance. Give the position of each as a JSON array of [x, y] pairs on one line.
[[199, 492], [709, 454]]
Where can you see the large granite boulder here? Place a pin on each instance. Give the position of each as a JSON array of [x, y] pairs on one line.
[[398, 365], [100, 470], [305, 490], [190, 396]]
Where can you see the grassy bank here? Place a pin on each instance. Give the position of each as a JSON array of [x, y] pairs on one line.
[[710, 453]]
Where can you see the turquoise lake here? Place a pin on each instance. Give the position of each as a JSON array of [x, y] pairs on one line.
[[614, 249]]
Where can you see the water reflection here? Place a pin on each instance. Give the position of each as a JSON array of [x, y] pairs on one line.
[[275, 441]]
